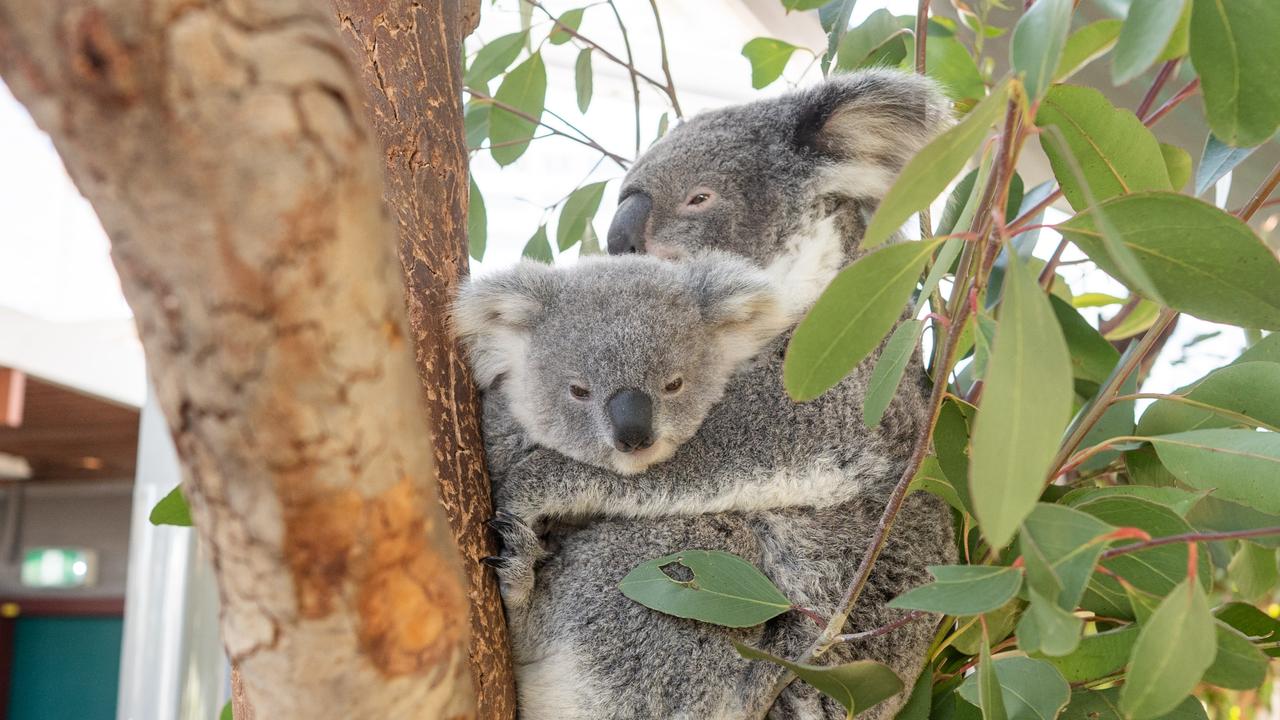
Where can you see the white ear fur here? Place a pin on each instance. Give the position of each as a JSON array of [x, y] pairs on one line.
[[493, 315], [745, 310]]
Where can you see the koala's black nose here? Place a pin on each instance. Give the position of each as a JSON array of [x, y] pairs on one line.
[[626, 232], [631, 415]]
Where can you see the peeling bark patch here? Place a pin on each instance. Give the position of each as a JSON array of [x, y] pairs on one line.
[[407, 622], [319, 546], [99, 59]]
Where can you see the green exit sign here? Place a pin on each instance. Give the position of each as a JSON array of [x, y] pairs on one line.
[[59, 567]]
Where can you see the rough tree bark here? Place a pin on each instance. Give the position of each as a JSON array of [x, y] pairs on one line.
[[410, 58], [224, 146]]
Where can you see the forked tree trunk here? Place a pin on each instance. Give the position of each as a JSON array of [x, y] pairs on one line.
[[225, 147], [410, 57]]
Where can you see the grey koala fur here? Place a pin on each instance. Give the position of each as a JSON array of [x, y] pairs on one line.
[[796, 489]]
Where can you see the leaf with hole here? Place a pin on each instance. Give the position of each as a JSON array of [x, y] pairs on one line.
[[1025, 408], [962, 590], [1234, 49], [524, 89], [1031, 689], [1202, 261], [171, 510], [848, 321], [933, 168], [857, 686], [1175, 646], [1037, 44], [720, 588]]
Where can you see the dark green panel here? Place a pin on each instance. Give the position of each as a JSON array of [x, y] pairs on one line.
[[65, 668]]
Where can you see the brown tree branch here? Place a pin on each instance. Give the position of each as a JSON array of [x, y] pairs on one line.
[[224, 148]]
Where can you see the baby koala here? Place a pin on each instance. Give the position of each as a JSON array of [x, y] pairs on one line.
[[614, 362]]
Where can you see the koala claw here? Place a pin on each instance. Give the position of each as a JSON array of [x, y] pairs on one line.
[[516, 561], [495, 562]]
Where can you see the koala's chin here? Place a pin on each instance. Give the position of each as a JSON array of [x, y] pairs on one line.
[[637, 461]]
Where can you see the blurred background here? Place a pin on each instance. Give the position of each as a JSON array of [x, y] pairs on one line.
[[103, 615]]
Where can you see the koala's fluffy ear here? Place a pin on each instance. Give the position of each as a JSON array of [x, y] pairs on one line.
[[493, 316], [869, 124], [742, 307]]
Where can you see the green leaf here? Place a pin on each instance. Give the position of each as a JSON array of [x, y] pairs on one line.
[[1095, 299], [572, 20], [990, 696], [1097, 656], [857, 686], [1025, 407], [721, 588], [889, 369], [1178, 162], [226, 713], [1144, 315], [1253, 623], [951, 442], [1174, 648], [768, 57], [1115, 152], [172, 510], [999, 624], [802, 5], [1048, 629], [582, 79], [834, 17], [476, 120], [1238, 465], [848, 321], [932, 480], [1060, 546], [962, 590], [1105, 705], [1202, 260], [1238, 665], [949, 62], [477, 224], [576, 215], [494, 58], [1031, 689], [1092, 357], [1144, 468], [1037, 44], [1086, 45], [539, 248], [525, 90], [1217, 515], [921, 700], [1250, 389], [1234, 49], [1154, 570], [1177, 500], [1217, 160], [1146, 33], [929, 172], [859, 45]]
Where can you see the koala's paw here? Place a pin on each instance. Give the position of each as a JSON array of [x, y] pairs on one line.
[[516, 560]]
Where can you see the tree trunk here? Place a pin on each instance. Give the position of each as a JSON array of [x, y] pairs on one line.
[[225, 148], [410, 58]]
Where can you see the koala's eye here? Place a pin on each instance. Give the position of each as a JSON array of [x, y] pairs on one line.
[[579, 392], [698, 199], [674, 386]]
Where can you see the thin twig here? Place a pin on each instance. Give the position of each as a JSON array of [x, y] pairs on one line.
[[884, 629], [584, 140], [631, 65], [1157, 85], [666, 66], [1190, 537], [1260, 197], [1051, 267], [1173, 102], [922, 33]]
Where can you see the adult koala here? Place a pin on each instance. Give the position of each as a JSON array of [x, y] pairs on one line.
[[787, 183]]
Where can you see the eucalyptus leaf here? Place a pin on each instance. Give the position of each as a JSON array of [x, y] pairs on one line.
[[1105, 705], [887, 375], [1048, 629], [1201, 260], [962, 590], [848, 321], [1147, 30], [171, 510], [494, 58], [539, 247], [929, 172], [721, 588], [1217, 160], [768, 58], [577, 213], [1031, 689], [1234, 49], [1238, 665], [1249, 389], [1061, 545], [477, 223], [1025, 408], [1097, 656], [1178, 162], [1214, 514], [570, 20], [583, 79], [1239, 465], [523, 89], [858, 46], [1174, 648], [1252, 623], [1037, 44], [857, 686], [1253, 570], [1086, 45]]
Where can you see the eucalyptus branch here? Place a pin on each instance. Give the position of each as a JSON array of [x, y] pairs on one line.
[[666, 66], [883, 629], [1260, 197], [1190, 537], [922, 33], [583, 140], [631, 65], [1157, 85], [628, 66]]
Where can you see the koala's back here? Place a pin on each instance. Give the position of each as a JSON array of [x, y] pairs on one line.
[[627, 662]]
